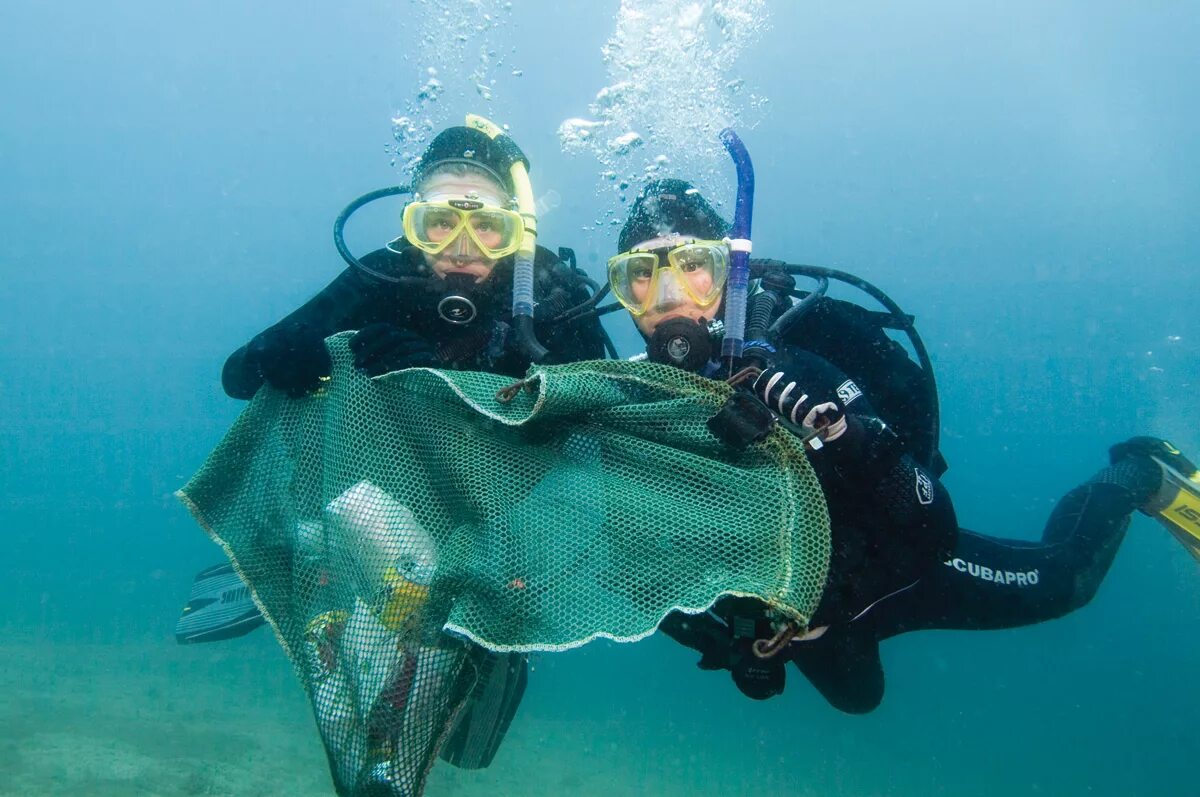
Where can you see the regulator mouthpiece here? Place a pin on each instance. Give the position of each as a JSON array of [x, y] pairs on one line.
[[681, 342], [456, 305]]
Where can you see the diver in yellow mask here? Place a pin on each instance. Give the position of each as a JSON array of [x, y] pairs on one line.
[[899, 562], [439, 296], [671, 286]]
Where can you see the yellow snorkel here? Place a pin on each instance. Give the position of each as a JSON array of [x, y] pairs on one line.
[[522, 289]]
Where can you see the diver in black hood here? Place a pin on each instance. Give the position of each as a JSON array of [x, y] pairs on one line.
[[439, 296], [899, 562]]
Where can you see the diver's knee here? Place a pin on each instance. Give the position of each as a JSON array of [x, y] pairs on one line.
[[1081, 595], [860, 695], [857, 701]]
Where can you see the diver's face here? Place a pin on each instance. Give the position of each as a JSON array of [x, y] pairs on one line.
[[462, 256], [671, 300]]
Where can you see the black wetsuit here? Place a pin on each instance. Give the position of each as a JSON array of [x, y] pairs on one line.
[[897, 567], [356, 299], [891, 521], [987, 583]]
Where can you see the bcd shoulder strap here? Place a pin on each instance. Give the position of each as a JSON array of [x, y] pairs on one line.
[[853, 339]]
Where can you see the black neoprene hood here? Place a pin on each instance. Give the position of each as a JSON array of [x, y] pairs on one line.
[[468, 145], [670, 206]]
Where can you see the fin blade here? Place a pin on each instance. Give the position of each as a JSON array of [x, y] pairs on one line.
[[490, 708], [219, 607], [1180, 511]]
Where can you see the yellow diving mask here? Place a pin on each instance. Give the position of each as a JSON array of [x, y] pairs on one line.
[[642, 279], [433, 226]]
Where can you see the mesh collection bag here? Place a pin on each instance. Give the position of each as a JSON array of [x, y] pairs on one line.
[[406, 535]]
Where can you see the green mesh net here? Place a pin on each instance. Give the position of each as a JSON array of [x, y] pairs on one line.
[[407, 535]]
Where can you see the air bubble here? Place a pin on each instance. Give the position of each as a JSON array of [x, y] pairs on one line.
[[624, 143], [670, 89]]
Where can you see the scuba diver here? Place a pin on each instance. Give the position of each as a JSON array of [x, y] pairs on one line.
[[456, 291], [440, 296], [828, 371]]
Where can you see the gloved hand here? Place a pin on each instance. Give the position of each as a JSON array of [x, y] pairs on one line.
[[716, 655], [291, 357], [754, 677], [828, 420], [383, 347], [722, 649], [785, 395]]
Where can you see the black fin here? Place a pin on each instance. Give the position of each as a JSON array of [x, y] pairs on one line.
[[489, 710], [219, 607]]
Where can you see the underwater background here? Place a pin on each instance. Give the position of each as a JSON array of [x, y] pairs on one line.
[[1022, 176]]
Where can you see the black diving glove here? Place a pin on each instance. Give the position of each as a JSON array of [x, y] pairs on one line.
[[292, 357], [755, 677], [721, 648], [383, 347], [825, 420]]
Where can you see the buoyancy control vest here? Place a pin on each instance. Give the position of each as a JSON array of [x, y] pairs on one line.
[[855, 340]]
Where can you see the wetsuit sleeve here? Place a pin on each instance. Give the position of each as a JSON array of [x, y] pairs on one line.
[[354, 299], [871, 458]]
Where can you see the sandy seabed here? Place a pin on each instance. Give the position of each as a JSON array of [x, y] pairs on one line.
[[230, 719], [1002, 716]]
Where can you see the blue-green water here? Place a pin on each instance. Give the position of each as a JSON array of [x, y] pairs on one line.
[[1019, 175]]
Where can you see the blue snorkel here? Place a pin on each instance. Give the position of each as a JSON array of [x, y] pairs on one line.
[[739, 245]]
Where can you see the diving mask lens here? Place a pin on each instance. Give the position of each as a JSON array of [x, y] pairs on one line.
[[433, 226], [631, 275], [703, 267], [698, 268]]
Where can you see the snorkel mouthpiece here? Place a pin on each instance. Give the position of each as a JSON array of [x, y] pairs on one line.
[[739, 266]]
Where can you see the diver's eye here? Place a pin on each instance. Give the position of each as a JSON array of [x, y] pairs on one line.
[[641, 272], [442, 221], [690, 263]]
